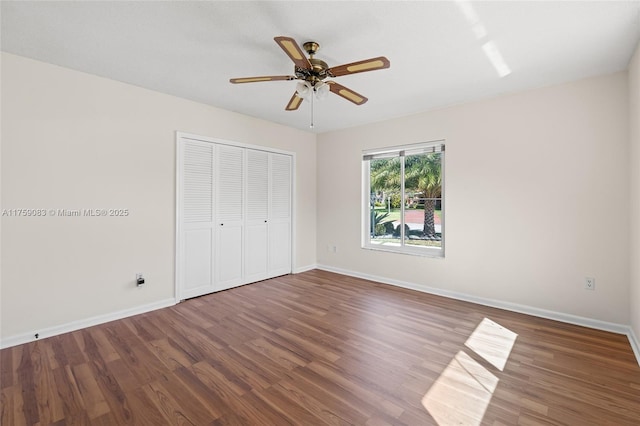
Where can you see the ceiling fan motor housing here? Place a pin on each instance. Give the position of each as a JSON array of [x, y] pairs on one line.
[[318, 71]]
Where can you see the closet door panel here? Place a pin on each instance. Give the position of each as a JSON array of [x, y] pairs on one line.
[[229, 207], [280, 215], [280, 183], [230, 183], [279, 248], [255, 249], [198, 262], [256, 224], [195, 249], [229, 258]]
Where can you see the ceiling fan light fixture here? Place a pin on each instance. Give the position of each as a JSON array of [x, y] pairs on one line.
[[303, 88], [321, 89]]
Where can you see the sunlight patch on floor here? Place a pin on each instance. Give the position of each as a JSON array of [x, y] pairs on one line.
[[492, 342], [462, 392]]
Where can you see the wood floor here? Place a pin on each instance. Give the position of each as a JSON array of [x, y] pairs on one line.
[[320, 348]]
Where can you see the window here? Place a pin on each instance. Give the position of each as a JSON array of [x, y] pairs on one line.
[[403, 199]]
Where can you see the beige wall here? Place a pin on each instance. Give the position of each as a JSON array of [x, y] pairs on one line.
[[72, 141], [634, 115], [537, 188]]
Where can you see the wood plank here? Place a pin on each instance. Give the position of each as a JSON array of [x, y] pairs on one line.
[[26, 379], [49, 404], [69, 393], [309, 402], [12, 406], [170, 353], [177, 407], [287, 407], [93, 400], [145, 412], [7, 370]]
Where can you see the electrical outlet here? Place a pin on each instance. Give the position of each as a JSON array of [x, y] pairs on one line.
[[331, 248], [589, 283]]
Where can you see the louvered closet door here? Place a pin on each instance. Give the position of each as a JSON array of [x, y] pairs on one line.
[[234, 216], [256, 244], [280, 215], [195, 250], [229, 207]]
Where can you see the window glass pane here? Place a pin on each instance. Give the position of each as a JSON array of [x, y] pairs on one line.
[[384, 201], [423, 200], [404, 200]]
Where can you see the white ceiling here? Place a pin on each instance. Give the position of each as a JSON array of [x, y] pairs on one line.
[[191, 49]]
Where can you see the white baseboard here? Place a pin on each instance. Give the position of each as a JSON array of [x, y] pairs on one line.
[[635, 343], [6, 342], [304, 269], [514, 307]]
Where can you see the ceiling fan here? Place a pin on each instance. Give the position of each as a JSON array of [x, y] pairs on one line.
[[312, 73]]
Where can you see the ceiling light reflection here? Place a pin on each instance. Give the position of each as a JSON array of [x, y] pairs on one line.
[[490, 49], [470, 15], [496, 59]]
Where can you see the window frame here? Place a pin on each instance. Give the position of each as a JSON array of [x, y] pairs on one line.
[[400, 151]]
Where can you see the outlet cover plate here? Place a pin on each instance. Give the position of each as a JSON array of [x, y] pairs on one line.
[[589, 283]]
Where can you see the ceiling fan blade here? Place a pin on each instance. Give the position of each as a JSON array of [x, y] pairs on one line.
[[294, 102], [348, 94], [361, 66], [264, 78], [292, 49]]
